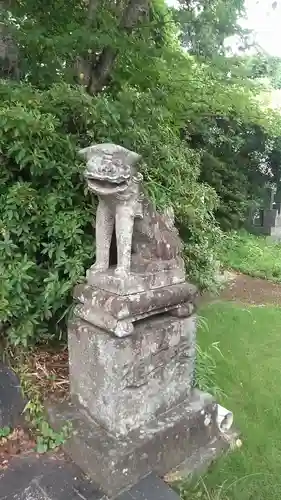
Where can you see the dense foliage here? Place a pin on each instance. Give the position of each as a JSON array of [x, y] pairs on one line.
[[206, 24], [256, 256], [46, 217], [263, 67], [77, 73]]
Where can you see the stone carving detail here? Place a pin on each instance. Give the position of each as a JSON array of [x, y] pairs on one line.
[[112, 174], [155, 236], [143, 369]]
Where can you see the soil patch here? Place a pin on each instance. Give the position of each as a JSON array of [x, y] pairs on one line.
[[246, 289], [19, 442]]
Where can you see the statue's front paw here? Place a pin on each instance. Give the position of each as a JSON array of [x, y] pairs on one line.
[[121, 272], [99, 268]]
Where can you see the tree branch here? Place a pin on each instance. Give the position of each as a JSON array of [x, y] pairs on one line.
[[9, 64], [101, 69], [92, 8], [82, 64]]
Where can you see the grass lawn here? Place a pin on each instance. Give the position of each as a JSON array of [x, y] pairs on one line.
[[250, 375], [253, 255]]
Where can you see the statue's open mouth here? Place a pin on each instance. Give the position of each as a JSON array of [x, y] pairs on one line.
[[103, 186]]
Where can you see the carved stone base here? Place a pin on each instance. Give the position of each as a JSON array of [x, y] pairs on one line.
[[124, 383], [161, 445], [154, 275], [117, 314]]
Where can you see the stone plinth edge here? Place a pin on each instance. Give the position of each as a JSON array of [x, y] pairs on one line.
[[115, 463], [117, 314]]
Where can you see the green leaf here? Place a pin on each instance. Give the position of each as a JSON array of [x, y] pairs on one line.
[[41, 446], [5, 431]]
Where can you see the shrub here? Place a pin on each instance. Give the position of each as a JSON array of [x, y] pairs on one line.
[[45, 219], [46, 213], [232, 187], [256, 256]]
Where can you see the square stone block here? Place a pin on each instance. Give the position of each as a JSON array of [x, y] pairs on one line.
[[124, 383], [116, 463]]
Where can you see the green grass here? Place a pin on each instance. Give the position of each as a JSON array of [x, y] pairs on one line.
[[249, 373], [253, 255]]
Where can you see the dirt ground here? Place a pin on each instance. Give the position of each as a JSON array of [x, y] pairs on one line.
[[245, 289]]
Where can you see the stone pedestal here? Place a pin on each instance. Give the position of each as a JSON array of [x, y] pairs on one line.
[[132, 339], [115, 463], [127, 382], [132, 405]]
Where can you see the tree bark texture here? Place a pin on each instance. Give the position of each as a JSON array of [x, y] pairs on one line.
[[101, 67], [9, 63]]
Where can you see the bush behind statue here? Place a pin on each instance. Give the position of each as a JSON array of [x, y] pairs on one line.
[[46, 214]]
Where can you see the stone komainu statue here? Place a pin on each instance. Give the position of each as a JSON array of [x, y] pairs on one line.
[[143, 236]]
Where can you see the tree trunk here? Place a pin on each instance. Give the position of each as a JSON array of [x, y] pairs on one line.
[[82, 64], [101, 68], [9, 67], [92, 7]]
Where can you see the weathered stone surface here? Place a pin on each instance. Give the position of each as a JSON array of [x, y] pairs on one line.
[[137, 282], [183, 310], [12, 402], [116, 314], [151, 487], [111, 173], [109, 163], [116, 463], [155, 236], [203, 457], [46, 478], [125, 383]]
